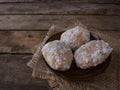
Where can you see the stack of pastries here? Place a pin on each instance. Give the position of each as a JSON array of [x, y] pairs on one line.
[[75, 44]]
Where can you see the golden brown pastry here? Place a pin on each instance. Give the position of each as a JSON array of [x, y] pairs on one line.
[[58, 55]]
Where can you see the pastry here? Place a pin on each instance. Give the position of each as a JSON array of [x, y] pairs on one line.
[[58, 55], [75, 37], [92, 53]]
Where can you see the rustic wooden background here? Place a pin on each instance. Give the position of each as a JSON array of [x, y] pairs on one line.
[[24, 23]]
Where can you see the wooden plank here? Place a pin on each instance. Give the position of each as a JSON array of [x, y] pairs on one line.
[[37, 22], [15, 75], [57, 8], [80, 1], [21, 42]]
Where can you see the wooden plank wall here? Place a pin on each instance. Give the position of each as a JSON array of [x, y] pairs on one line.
[[24, 23]]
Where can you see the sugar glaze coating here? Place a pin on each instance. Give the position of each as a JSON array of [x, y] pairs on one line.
[[75, 37], [92, 53], [58, 55]]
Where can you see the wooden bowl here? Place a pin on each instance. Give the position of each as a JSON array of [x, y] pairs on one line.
[[75, 73]]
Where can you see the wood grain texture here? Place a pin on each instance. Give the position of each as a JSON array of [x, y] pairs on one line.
[[21, 42], [14, 74], [59, 8], [78, 1], [44, 22]]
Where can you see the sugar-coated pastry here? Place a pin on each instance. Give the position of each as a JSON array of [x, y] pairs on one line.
[[58, 55], [75, 37], [92, 53]]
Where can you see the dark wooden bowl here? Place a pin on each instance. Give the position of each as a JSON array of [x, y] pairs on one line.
[[75, 73]]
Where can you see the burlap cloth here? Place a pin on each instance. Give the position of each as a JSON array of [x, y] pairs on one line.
[[40, 70]]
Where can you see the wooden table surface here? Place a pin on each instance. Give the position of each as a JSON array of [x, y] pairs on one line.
[[24, 23]]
